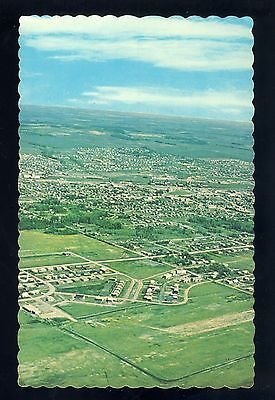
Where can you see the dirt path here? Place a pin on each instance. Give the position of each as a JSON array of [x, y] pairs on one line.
[[207, 325]]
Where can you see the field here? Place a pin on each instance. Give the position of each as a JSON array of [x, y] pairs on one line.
[[33, 242], [139, 269], [193, 138], [161, 353], [47, 259], [241, 261], [142, 336], [49, 357]]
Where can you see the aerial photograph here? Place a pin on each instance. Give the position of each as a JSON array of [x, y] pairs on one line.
[[136, 202]]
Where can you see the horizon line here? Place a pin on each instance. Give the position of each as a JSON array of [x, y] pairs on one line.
[[133, 112]]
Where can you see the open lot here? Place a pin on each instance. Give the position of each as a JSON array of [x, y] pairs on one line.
[[170, 356], [47, 259], [49, 357], [242, 260], [80, 310], [36, 242], [104, 287], [236, 374], [140, 268]]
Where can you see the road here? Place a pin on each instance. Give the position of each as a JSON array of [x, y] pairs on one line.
[[246, 246], [138, 289], [144, 257], [60, 253]]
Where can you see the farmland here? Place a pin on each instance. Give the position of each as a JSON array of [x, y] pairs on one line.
[[136, 259]]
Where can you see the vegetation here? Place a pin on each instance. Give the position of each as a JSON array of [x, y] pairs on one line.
[[32, 242]]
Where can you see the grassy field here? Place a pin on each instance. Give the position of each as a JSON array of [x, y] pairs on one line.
[[171, 356], [38, 261], [139, 269], [142, 335], [242, 260], [35, 242], [93, 288], [239, 374], [80, 310], [104, 287], [49, 357]]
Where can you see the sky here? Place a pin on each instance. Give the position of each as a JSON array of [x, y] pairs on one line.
[[195, 67]]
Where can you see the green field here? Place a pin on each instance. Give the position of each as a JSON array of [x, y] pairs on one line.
[[239, 374], [79, 310], [242, 260], [170, 356], [36, 242], [139, 269], [48, 357], [45, 260], [104, 287], [141, 333]]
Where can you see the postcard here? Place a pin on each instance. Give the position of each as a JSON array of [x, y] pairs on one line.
[[136, 202]]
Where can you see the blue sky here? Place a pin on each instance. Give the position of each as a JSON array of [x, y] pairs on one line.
[[191, 67]]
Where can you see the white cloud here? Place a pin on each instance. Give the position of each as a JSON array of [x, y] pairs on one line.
[[200, 44], [169, 97], [177, 54], [152, 26]]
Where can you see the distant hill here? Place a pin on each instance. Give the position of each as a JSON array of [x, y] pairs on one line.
[[57, 128]]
